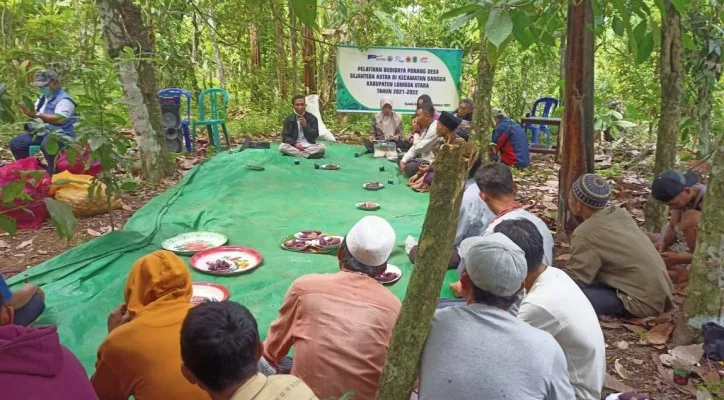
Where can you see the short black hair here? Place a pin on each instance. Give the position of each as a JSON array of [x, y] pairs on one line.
[[297, 97], [481, 296], [352, 264], [525, 234], [219, 343], [428, 109], [495, 179], [476, 166], [426, 99]]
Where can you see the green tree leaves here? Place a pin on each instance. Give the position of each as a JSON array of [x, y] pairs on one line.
[[306, 11], [62, 216], [499, 26]]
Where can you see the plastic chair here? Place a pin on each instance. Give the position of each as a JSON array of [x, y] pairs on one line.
[[216, 115], [177, 93], [33, 150], [549, 105]]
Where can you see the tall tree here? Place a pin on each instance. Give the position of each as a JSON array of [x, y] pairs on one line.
[[577, 125], [482, 119], [309, 60], [281, 61], [293, 46], [671, 75], [127, 40], [217, 51]]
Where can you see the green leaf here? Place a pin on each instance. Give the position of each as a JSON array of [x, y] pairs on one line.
[[7, 224], [28, 102], [387, 20], [464, 10], [306, 10], [51, 146], [129, 186], [521, 22], [680, 5], [461, 21], [624, 124], [687, 41], [12, 191], [62, 216], [644, 48], [617, 26], [660, 5], [96, 142], [499, 26]]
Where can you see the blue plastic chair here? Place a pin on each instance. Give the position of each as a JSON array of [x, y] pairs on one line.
[[177, 93], [549, 105], [216, 115]]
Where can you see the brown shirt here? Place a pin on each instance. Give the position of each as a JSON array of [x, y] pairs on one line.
[[340, 325], [610, 248]]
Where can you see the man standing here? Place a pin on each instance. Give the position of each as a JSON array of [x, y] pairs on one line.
[[300, 132], [340, 324], [421, 150], [509, 143], [618, 267], [464, 342], [56, 109]]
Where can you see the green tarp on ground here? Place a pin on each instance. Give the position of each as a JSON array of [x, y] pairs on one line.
[[254, 209]]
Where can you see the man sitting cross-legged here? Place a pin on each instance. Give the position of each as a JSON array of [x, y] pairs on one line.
[[421, 151], [480, 350], [220, 347], [300, 132], [621, 272], [555, 304], [340, 324]]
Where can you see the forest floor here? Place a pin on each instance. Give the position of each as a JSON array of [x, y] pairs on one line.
[[633, 347]]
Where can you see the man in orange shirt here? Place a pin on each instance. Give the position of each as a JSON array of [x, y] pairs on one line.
[[141, 356], [340, 324]]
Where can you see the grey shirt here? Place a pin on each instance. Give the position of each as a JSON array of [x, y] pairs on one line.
[[474, 214], [479, 352]]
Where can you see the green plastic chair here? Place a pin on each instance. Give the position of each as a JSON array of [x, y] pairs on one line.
[[216, 116]]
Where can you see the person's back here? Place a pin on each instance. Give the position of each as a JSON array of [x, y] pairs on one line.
[[512, 143], [557, 305], [35, 366], [483, 352]]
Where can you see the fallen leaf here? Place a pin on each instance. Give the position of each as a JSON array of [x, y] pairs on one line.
[[666, 359], [4, 244], [636, 361], [659, 334], [709, 376], [703, 395], [610, 325], [19, 255], [106, 229], [621, 370], [126, 207], [42, 252], [187, 163], [666, 374], [563, 257], [24, 244], [689, 354], [550, 206], [614, 384], [634, 328], [622, 345], [93, 233]]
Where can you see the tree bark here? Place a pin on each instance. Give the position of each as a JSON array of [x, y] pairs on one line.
[[705, 294], [281, 61], [293, 46], [309, 60], [577, 126], [671, 75], [480, 126], [124, 30], [255, 56], [438, 233]]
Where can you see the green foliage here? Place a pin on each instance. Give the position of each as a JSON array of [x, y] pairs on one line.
[[62, 216]]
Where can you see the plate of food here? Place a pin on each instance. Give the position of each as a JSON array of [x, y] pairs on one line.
[[328, 241], [204, 292], [308, 235], [391, 275], [293, 244], [193, 242], [373, 185], [329, 166], [254, 167], [368, 205], [226, 260]]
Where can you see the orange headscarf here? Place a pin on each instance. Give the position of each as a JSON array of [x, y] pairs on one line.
[[157, 279]]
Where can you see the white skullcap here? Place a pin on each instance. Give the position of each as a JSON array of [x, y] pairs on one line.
[[371, 240], [494, 263]]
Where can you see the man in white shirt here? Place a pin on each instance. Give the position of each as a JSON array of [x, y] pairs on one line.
[[56, 109], [555, 304], [421, 150]]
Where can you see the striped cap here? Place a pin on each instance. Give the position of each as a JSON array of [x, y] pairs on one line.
[[592, 190]]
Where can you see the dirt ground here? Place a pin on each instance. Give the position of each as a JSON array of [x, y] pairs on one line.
[[632, 353]]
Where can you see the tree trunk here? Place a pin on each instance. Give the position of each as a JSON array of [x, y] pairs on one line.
[[217, 53], [577, 126], [255, 56], [281, 61], [293, 46], [123, 29], [438, 233], [309, 60], [480, 126], [671, 75], [705, 294], [562, 90]]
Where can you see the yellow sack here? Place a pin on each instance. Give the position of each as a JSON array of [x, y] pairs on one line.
[[75, 194]]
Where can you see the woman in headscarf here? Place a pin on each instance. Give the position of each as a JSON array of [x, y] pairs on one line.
[[141, 356], [465, 113], [386, 125]]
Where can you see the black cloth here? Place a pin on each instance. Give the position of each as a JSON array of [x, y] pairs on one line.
[[290, 131], [605, 300]]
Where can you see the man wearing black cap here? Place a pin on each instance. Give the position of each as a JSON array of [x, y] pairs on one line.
[[684, 196], [445, 129]]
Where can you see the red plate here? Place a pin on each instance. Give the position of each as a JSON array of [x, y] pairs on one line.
[[241, 259], [204, 291]]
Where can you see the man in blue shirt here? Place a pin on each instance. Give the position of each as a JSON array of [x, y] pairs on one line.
[[509, 143], [28, 302]]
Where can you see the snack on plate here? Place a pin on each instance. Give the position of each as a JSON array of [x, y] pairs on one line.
[[329, 241], [331, 166], [219, 265], [373, 185], [194, 246], [199, 300], [296, 244], [368, 205], [309, 235], [387, 277]]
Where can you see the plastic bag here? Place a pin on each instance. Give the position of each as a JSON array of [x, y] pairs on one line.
[[63, 164], [38, 191], [75, 194], [313, 108]]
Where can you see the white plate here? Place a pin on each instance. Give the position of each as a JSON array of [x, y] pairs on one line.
[[395, 269], [364, 185], [210, 291], [324, 166]]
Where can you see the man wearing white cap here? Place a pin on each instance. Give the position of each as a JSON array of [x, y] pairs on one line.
[[481, 351], [340, 324]]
